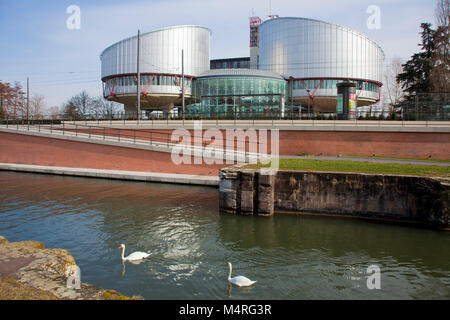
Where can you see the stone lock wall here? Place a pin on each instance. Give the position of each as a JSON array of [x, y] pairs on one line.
[[247, 191], [402, 198]]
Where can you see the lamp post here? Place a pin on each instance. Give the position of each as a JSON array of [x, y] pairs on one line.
[[138, 93], [291, 84], [28, 100], [2, 111], [22, 101], [182, 82], [309, 101]]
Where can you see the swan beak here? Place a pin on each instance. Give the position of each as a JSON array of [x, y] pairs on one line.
[[119, 247]]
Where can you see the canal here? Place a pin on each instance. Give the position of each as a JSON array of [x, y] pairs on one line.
[[291, 256]]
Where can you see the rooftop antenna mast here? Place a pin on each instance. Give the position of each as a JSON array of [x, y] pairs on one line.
[[182, 82]]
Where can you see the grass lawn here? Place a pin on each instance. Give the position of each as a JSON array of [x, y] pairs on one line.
[[382, 157], [360, 167]]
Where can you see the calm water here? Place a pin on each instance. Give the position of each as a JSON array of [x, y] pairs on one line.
[[292, 257]]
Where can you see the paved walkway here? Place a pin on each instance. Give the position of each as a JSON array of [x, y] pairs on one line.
[[306, 125], [116, 174], [205, 151]]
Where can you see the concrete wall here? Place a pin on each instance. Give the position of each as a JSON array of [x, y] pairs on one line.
[[35, 150], [389, 144], [331, 143], [402, 198]]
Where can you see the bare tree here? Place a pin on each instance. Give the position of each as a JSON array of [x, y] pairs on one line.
[[53, 112], [393, 91], [70, 111], [442, 13], [12, 99], [36, 106], [440, 73], [115, 108], [101, 107], [82, 103], [105, 109]]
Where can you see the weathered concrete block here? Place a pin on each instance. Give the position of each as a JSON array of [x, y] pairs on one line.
[[266, 192], [247, 180], [227, 184], [265, 205], [247, 202], [266, 177], [227, 200], [228, 174]]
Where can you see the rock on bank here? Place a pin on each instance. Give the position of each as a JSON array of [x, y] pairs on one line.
[[29, 271]]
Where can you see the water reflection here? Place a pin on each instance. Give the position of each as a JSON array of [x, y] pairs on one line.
[[135, 262], [242, 290], [356, 240], [293, 257]]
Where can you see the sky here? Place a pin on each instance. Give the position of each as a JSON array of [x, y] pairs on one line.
[[60, 62]]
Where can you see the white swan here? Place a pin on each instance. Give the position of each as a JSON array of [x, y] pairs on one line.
[[239, 281], [138, 255]]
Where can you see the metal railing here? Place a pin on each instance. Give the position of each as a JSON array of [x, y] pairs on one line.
[[220, 118], [229, 147], [248, 115]]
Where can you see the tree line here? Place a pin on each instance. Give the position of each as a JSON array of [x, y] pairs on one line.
[[13, 102], [428, 71], [82, 106], [425, 76], [13, 105]]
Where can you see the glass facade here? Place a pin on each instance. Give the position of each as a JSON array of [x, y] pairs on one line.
[[232, 63], [238, 96], [331, 84], [159, 84]]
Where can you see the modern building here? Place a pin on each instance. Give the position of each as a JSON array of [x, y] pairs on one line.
[[160, 67], [314, 56], [239, 93], [294, 63], [230, 63]]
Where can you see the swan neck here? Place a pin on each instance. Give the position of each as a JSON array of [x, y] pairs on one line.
[[229, 274], [123, 252]]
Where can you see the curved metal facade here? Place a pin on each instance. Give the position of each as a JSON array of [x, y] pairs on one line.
[[160, 65], [318, 54]]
